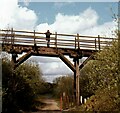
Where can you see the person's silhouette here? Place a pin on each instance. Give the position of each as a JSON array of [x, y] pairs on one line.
[[48, 37]]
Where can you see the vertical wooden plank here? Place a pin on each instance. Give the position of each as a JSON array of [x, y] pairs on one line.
[[61, 103], [34, 38], [56, 39], [99, 42], [77, 82], [75, 42], [78, 41], [95, 44], [12, 36], [74, 80]]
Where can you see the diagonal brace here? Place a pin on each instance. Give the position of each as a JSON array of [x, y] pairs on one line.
[[67, 62], [23, 58], [85, 62]]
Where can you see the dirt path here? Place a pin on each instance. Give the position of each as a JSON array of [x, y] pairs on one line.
[[50, 104]]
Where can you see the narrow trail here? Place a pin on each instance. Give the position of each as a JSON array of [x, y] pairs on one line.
[[50, 104]]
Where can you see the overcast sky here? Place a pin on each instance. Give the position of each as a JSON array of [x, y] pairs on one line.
[[86, 18]]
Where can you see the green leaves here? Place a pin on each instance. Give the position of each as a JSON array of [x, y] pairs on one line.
[[64, 84], [102, 71], [102, 79], [20, 86]]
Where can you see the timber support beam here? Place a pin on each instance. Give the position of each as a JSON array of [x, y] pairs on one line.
[[76, 81], [75, 69], [19, 61], [67, 62]]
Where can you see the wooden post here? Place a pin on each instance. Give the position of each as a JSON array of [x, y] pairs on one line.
[[95, 44], [34, 38], [76, 81], [75, 42], [99, 42], [78, 41], [56, 39], [61, 103], [12, 37], [13, 61]]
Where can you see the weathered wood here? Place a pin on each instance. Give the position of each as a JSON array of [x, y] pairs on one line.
[[63, 40], [67, 62], [56, 40], [75, 43], [78, 41], [85, 62], [34, 43], [95, 44], [76, 76], [98, 42], [23, 58]]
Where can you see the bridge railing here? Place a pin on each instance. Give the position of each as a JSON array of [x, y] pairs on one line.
[[56, 40]]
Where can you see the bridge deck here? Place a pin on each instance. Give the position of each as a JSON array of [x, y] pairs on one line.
[[34, 43], [72, 45]]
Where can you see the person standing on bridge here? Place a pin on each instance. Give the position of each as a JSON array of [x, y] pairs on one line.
[[48, 37]]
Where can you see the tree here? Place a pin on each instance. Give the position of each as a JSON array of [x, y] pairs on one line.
[[64, 84], [102, 79], [20, 87], [101, 72], [103, 100]]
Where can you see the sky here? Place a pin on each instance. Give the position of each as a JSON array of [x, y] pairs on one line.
[[85, 18]]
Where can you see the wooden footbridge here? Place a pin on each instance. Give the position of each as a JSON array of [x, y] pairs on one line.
[[34, 43]]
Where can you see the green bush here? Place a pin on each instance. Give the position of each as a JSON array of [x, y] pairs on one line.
[[103, 100], [64, 84], [20, 87], [101, 77]]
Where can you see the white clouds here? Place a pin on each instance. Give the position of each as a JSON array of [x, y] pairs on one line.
[[103, 30], [26, 2], [12, 15], [24, 18], [72, 23], [6, 11], [52, 66], [43, 27], [75, 23], [86, 23], [55, 68], [59, 5]]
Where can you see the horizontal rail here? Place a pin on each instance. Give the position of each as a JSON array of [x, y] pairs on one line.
[[32, 32], [56, 40]]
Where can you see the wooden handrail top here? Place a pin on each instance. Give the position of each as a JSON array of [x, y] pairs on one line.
[[58, 34], [63, 40]]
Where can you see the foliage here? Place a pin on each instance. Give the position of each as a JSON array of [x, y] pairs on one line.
[[103, 100], [103, 71], [46, 88], [32, 74], [20, 87], [85, 90], [101, 78], [63, 84]]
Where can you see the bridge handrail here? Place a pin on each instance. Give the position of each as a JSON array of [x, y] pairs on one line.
[[58, 34], [57, 39]]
